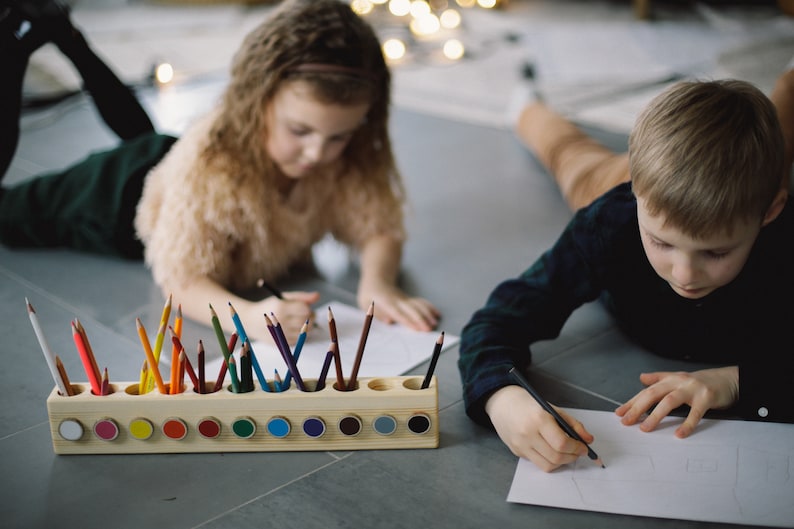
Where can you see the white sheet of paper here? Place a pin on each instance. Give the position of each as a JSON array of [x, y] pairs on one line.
[[391, 350], [728, 471]]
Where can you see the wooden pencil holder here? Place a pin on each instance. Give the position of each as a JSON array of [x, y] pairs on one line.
[[381, 413]]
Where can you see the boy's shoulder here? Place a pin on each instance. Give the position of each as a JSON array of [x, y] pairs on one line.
[[614, 209]]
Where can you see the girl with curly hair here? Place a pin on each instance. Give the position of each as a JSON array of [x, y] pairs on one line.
[[296, 149]]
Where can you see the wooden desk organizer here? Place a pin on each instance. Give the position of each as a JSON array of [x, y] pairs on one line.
[[383, 413]]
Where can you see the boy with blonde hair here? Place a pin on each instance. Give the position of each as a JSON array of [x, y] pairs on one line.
[[693, 257]]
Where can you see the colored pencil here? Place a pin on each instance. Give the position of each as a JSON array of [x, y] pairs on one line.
[[324, 371], [270, 288], [201, 368], [158, 341], [238, 324], [183, 358], [176, 370], [557, 417], [340, 378], [287, 355], [297, 352], [351, 384], [216, 324], [277, 332], [224, 366], [277, 381], [144, 377], [85, 357], [64, 376], [246, 369], [87, 344], [433, 360], [233, 375], [147, 349], [49, 357], [105, 383]]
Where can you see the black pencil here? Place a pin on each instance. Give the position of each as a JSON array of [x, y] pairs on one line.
[[549, 408], [433, 360]]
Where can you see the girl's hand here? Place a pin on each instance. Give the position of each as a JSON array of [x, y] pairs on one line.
[[292, 311], [394, 306], [701, 390], [531, 432]]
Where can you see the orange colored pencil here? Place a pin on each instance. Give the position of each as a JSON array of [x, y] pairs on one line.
[[147, 349]]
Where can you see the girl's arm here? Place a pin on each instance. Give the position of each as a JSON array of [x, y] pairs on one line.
[[380, 265], [197, 294]]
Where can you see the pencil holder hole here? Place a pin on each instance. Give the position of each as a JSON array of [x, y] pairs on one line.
[[337, 387], [310, 385], [76, 390], [168, 389], [380, 384], [413, 383], [209, 387], [132, 389]]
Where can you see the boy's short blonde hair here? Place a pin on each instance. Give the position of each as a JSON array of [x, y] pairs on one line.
[[707, 154]]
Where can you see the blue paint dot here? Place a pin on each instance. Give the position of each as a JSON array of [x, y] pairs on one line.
[[278, 427], [385, 425], [313, 427]]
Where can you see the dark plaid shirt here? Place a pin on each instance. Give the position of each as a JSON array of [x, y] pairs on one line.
[[600, 255]]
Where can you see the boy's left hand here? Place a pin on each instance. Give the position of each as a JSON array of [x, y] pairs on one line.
[[701, 390]]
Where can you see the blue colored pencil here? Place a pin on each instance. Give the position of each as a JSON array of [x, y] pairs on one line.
[[238, 324]]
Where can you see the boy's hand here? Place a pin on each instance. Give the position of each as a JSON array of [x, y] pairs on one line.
[[531, 432], [701, 390]]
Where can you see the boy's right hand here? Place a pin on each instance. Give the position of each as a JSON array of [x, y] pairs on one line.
[[531, 432]]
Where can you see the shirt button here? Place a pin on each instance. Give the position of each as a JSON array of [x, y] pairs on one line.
[[763, 412]]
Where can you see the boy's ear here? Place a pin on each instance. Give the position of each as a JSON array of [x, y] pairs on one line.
[[775, 207]]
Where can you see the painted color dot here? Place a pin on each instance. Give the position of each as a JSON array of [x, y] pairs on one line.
[[175, 429], [385, 425], [419, 423], [106, 429], [278, 427], [209, 428], [243, 427], [314, 427], [71, 429], [141, 429], [350, 425]]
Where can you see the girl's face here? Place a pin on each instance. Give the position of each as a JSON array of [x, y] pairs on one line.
[[694, 268], [304, 133]]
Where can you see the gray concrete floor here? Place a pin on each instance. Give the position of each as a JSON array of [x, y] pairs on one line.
[[482, 210]]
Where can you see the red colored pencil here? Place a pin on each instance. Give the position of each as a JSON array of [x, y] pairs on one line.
[[85, 357]]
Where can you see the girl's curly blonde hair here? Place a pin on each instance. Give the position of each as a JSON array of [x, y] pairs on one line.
[[298, 41]]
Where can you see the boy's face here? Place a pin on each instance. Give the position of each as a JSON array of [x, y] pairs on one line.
[[694, 268], [304, 133]]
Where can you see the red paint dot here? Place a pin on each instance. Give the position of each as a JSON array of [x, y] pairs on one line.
[[209, 428], [175, 429]]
